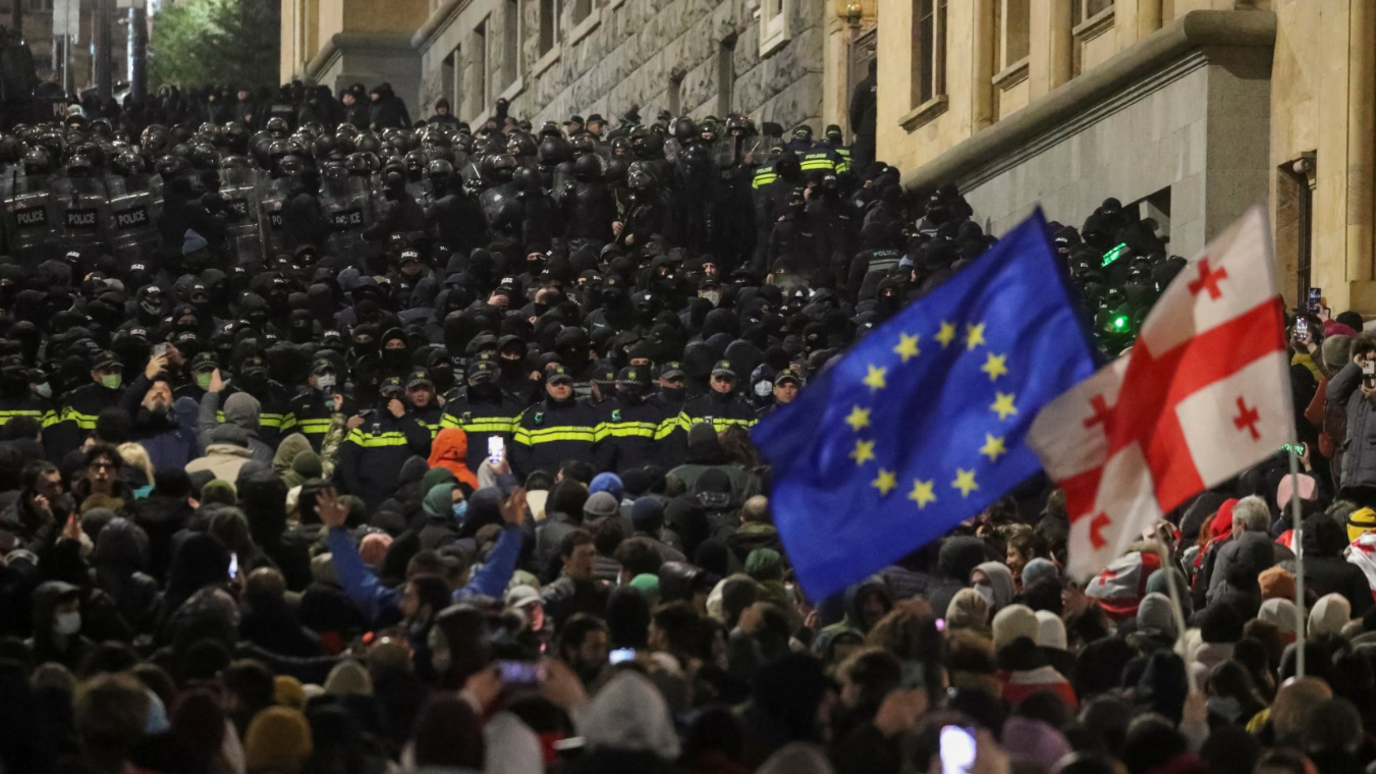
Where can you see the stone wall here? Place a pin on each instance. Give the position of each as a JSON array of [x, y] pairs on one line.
[[630, 53], [1202, 134]]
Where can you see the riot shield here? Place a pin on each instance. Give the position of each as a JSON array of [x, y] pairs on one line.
[[30, 219], [83, 213], [132, 218]]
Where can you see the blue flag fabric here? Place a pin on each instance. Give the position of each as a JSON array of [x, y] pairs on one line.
[[922, 424]]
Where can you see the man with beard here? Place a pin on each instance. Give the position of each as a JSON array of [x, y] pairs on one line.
[[583, 645], [149, 401]]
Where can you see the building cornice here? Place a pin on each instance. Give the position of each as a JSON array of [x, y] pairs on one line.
[[1184, 45]]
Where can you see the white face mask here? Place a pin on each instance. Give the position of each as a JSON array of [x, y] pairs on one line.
[[325, 381], [67, 624], [44, 390], [987, 592]]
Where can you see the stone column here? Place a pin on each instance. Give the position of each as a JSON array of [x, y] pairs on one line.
[[983, 51], [1361, 155]]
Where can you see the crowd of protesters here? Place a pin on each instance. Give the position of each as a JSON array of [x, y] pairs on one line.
[[371, 446]]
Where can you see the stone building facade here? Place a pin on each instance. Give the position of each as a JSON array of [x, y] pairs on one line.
[[1189, 110], [777, 60]]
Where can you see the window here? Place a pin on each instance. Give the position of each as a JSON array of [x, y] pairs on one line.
[[726, 76], [480, 76], [549, 25], [1295, 219], [676, 91], [511, 42], [774, 26], [449, 87], [929, 50], [581, 9], [1083, 10], [40, 5], [1013, 31]]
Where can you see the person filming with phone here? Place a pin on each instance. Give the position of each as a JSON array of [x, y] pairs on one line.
[[1354, 386]]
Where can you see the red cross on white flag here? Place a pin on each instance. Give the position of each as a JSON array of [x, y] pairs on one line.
[[1203, 394]]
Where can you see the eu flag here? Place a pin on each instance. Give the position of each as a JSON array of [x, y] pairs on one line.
[[922, 424]]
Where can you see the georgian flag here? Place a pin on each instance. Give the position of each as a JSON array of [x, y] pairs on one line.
[[1203, 394]]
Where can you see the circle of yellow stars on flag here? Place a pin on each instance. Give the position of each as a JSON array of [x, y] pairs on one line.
[[926, 491]]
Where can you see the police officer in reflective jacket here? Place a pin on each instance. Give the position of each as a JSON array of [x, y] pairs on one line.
[[314, 409], [483, 413], [720, 406], [633, 428], [371, 457], [556, 429]]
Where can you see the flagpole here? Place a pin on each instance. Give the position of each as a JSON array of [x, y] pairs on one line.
[[1298, 541], [1168, 564]]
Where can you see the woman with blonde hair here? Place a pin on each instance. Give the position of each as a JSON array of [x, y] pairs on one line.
[[138, 468]]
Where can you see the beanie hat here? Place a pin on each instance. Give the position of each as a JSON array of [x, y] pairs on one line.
[[1050, 630], [1286, 489], [599, 505], [1276, 582], [1155, 613], [1013, 622], [1034, 741], [1220, 624], [278, 739], [1336, 351], [609, 483], [647, 585], [1329, 615], [765, 564], [1360, 521], [349, 678], [647, 514], [1038, 570], [1281, 612], [288, 692], [373, 548], [218, 490]]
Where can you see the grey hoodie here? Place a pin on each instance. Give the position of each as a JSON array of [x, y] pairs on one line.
[[241, 411]]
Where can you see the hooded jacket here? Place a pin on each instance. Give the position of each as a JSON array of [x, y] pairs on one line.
[[957, 558], [450, 451], [226, 454], [1325, 570], [43, 644], [240, 410]]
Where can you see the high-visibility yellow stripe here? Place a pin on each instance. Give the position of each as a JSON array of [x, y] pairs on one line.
[[666, 428], [313, 426], [718, 423], [479, 425], [42, 417], [565, 433], [369, 441], [83, 421]]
